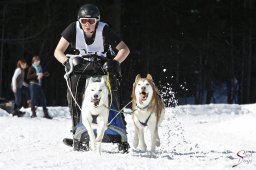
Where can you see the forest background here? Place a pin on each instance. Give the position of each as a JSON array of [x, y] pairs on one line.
[[193, 48]]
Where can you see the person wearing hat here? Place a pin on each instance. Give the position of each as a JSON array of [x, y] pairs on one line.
[[89, 35]]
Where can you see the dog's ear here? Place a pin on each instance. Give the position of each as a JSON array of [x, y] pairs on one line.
[[102, 80], [137, 77], [90, 80], [134, 84], [149, 77]]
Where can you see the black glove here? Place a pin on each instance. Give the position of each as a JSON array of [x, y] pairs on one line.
[[113, 67], [66, 65]]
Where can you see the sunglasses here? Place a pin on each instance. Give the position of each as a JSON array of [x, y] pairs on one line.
[[91, 21]]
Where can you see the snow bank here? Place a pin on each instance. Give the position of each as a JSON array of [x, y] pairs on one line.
[[3, 113], [192, 137]]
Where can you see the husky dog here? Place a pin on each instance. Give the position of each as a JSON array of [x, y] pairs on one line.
[[148, 108], [94, 110]]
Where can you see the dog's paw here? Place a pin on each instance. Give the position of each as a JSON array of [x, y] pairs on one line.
[[157, 142], [152, 154], [98, 148], [143, 147], [97, 140], [93, 146]]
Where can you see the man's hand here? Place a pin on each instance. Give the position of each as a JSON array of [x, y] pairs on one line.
[[14, 90], [66, 65], [39, 75], [113, 67], [25, 84]]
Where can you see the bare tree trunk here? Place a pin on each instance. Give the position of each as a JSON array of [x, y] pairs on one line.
[[247, 58], [249, 66], [209, 95], [178, 64], [231, 66], [207, 76], [231, 69], [199, 90], [2, 50], [249, 61]]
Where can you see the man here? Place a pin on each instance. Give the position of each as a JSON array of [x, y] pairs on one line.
[[88, 35], [35, 76]]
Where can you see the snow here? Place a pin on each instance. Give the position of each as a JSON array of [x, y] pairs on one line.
[[192, 137]]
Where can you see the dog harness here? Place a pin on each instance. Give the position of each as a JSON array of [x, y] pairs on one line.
[[94, 119], [96, 47], [146, 122]]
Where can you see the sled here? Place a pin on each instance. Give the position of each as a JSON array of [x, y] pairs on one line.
[[92, 65]]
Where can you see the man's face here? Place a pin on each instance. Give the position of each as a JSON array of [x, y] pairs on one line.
[[37, 62], [88, 24]]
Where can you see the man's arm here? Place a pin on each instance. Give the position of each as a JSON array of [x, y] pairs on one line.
[[59, 52], [123, 52], [17, 72], [31, 74]]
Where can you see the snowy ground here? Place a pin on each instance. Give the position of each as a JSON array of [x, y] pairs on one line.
[[192, 137]]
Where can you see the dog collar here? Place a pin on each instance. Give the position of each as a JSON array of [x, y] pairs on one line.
[[142, 108]]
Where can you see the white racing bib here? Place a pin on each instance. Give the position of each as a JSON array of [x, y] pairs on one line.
[[96, 47]]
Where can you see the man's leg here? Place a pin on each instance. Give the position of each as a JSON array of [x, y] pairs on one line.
[[116, 96], [74, 98], [17, 104], [32, 88]]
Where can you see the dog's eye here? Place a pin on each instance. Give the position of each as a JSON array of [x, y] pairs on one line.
[[147, 84], [92, 89], [138, 84], [100, 90]]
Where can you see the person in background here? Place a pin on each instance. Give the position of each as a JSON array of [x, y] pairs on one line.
[[16, 85], [26, 102], [35, 76]]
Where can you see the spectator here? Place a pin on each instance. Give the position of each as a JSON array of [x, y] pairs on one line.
[[17, 83], [35, 76]]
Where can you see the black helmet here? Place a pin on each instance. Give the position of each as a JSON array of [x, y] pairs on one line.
[[88, 11]]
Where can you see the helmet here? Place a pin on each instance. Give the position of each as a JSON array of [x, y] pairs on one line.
[[88, 11]]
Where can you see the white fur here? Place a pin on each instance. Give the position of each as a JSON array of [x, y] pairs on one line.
[[141, 115], [89, 109]]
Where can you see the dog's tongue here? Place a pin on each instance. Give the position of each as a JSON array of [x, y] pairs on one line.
[[96, 102], [142, 97]]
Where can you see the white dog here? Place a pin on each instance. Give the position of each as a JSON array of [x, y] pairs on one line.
[[94, 110], [148, 109]]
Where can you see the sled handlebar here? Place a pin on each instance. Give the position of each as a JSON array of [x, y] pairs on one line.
[[87, 57], [91, 56]]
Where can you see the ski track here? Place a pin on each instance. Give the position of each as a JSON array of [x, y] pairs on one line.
[[192, 137]]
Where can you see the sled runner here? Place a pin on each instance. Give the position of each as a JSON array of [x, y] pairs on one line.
[[82, 67]]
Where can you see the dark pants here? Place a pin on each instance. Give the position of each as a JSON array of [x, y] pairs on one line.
[[77, 86], [37, 95], [18, 99], [25, 96]]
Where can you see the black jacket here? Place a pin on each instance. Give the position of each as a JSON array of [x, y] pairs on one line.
[[32, 76]]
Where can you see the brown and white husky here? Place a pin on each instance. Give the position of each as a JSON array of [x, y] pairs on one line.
[[148, 107]]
